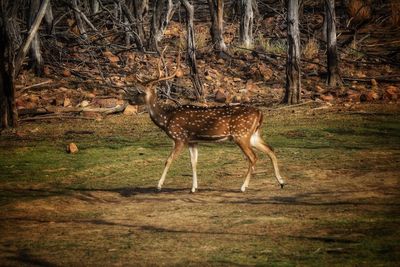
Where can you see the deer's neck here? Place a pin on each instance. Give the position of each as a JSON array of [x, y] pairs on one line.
[[157, 113]]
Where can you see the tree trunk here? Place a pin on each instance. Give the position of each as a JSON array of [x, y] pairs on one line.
[[49, 19], [79, 22], [94, 6], [140, 9], [191, 51], [256, 11], [8, 109], [217, 23], [293, 85], [159, 22], [246, 23], [10, 65], [36, 60], [333, 68], [131, 20]]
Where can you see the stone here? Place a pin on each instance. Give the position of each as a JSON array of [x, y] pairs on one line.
[[84, 103], [327, 98], [391, 93], [66, 73], [72, 148], [67, 102], [220, 96], [107, 102], [131, 110]]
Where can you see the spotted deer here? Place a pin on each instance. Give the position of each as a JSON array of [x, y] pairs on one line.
[[188, 125]]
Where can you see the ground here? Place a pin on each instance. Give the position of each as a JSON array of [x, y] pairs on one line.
[[100, 206]]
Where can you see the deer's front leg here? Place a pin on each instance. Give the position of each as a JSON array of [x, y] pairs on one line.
[[193, 158], [174, 154]]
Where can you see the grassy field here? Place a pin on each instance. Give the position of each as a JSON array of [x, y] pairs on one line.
[[99, 207]]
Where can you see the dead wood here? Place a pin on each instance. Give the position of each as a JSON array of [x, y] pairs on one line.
[[45, 117]]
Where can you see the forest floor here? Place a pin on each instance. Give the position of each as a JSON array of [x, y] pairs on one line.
[[100, 207]]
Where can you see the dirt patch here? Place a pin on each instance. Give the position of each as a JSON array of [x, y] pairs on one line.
[[341, 204]]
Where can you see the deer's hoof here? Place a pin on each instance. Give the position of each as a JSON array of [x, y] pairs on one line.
[[193, 190], [282, 185], [158, 188], [243, 188]]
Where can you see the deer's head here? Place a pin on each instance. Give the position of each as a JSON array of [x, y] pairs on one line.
[[145, 91]]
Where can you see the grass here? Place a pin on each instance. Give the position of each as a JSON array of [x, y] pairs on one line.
[[340, 207], [271, 46]]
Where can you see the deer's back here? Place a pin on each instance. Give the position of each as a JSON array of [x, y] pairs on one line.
[[192, 123]]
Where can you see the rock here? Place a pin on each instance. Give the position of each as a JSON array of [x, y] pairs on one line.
[[220, 96], [391, 93], [319, 89], [374, 82], [90, 95], [208, 78], [31, 105], [84, 103], [67, 102], [179, 73], [72, 148], [107, 102], [354, 96], [221, 61], [66, 73], [131, 110], [236, 79], [369, 96], [327, 98], [33, 99], [20, 103], [111, 57], [266, 72]]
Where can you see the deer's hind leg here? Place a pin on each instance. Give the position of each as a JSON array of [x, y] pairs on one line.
[[258, 142], [178, 146], [245, 146]]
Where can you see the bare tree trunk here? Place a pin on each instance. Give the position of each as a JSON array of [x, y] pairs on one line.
[[159, 22], [246, 23], [256, 11], [8, 111], [333, 68], [131, 20], [217, 23], [140, 9], [191, 51], [323, 30], [79, 22], [36, 59], [94, 6], [49, 19], [301, 9], [293, 83], [10, 65]]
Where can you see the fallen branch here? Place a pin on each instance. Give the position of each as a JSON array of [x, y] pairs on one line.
[[56, 117], [297, 105], [51, 110], [378, 79], [37, 86]]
